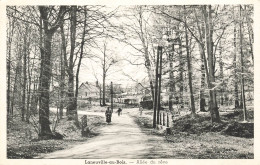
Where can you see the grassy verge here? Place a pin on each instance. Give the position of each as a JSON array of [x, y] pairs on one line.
[[199, 139], [22, 140]]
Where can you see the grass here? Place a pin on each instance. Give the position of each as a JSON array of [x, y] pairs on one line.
[[197, 138], [230, 125], [22, 142]]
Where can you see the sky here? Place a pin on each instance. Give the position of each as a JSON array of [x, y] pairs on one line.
[[117, 73]]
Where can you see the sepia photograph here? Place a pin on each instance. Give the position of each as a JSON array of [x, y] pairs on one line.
[[129, 84]]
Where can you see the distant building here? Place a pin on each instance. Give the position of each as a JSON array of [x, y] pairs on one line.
[[134, 94], [89, 91], [137, 89]]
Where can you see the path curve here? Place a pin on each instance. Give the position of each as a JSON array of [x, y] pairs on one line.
[[120, 139]]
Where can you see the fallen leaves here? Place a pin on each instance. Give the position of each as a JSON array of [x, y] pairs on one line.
[[20, 146]]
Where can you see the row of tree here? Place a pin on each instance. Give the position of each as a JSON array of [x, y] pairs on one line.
[[45, 48], [208, 53]]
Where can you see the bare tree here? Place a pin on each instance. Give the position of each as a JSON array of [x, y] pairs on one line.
[[81, 51], [139, 29], [107, 60], [10, 33], [49, 28], [189, 67], [207, 13], [72, 104], [242, 63]]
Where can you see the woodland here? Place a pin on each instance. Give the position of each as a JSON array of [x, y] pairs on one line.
[[207, 61]]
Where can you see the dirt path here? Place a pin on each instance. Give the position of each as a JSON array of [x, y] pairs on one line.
[[120, 139]]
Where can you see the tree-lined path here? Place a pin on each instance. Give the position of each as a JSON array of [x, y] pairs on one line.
[[120, 139], [193, 62]]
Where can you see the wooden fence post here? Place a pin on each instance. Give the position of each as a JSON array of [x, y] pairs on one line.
[[167, 120], [163, 119], [160, 118], [84, 126]]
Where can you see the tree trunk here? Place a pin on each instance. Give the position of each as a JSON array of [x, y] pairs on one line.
[[250, 36], [213, 108], [156, 88], [8, 79], [100, 96], [64, 65], [8, 67], [235, 69], [204, 69], [221, 75], [45, 73], [45, 86], [171, 79], [189, 70], [24, 74], [28, 112], [104, 82], [72, 107], [202, 86], [81, 55], [111, 93], [242, 66], [62, 84], [159, 85], [181, 66]]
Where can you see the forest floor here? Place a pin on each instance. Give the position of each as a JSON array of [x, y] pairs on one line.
[[22, 142], [197, 138], [191, 138]]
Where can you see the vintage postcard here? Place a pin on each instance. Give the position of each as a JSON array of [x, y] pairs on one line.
[[137, 83]]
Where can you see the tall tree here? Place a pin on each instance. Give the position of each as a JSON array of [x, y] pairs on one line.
[[242, 63], [72, 105], [142, 28], [10, 33], [171, 79], [49, 28], [235, 67], [201, 31], [107, 61], [181, 70], [137, 28], [247, 13], [189, 66], [81, 51], [104, 75], [207, 13], [221, 75], [64, 66], [25, 47]]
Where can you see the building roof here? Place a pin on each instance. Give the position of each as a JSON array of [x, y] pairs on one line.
[[90, 86]]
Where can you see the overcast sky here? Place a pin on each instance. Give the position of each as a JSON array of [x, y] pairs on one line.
[[92, 67]]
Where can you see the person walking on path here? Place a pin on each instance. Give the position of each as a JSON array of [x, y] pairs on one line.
[[141, 110], [119, 111], [108, 115]]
